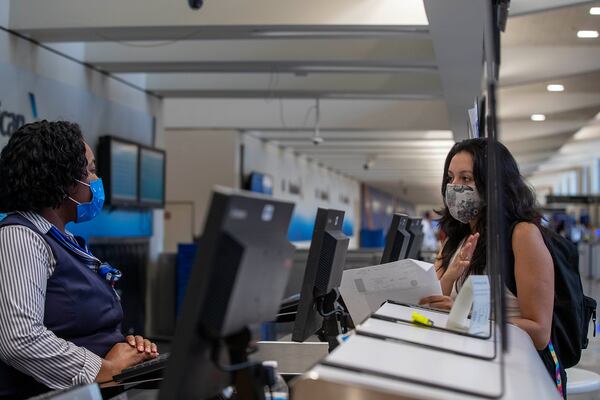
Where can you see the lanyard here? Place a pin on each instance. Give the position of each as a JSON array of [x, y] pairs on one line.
[[81, 252], [559, 385], [106, 271]]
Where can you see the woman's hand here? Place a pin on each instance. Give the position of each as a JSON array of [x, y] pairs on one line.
[[462, 261], [460, 264], [142, 345], [439, 302], [120, 356]]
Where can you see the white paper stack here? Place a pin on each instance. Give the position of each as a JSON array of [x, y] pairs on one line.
[[406, 281]]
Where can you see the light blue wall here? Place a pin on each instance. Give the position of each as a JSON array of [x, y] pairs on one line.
[[287, 168], [121, 223]]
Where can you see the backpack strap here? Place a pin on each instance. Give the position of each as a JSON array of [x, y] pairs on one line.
[[509, 277]]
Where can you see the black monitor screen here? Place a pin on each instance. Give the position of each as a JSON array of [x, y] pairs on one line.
[[323, 273], [415, 228], [396, 243], [152, 177], [118, 168], [237, 281]]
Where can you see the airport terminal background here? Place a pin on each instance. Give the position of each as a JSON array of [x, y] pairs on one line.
[[357, 119]]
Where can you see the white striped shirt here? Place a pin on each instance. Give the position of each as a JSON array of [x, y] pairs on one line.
[[26, 264]]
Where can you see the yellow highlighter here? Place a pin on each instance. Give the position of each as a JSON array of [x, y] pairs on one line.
[[421, 319]]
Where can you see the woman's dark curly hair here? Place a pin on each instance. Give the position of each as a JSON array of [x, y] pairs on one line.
[[518, 198], [41, 161]]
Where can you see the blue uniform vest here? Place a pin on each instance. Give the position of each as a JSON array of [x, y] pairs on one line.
[[80, 307]]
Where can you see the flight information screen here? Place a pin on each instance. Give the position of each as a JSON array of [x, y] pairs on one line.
[[152, 176]]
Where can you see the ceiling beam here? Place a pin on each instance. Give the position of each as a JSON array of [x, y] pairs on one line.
[[86, 20], [396, 51], [407, 86], [456, 28], [259, 114]]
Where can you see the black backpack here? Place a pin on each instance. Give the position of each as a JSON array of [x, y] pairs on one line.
[[572, 309]]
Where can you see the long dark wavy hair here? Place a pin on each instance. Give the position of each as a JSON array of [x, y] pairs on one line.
[[519, 202], [39, 164]]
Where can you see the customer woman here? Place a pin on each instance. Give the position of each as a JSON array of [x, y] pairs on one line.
[[463, 219], [59, 314]]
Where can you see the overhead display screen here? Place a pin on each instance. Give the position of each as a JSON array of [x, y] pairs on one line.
[[152, 177], [124, 171]]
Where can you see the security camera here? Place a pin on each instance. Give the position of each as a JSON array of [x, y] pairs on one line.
[[368, 164], [196, 4], [317, 140]]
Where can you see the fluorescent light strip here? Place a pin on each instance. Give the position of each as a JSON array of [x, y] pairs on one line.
[[587, 34], [365, 68], [538, 117], [360, 32], [386, 96], [595, 11], [555, 87]]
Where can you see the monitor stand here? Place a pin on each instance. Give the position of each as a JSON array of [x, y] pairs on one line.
[[336, 319], [249, 377]]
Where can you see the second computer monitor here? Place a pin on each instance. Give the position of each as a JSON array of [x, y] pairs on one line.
[[323, 273], [396, 242], [416, 237]]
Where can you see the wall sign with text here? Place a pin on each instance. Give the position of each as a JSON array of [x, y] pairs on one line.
[[10, 122]]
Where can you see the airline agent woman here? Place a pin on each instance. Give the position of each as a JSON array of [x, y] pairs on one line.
[[60, 317]]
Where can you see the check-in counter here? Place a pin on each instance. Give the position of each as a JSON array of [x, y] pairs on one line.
[[391, 359]]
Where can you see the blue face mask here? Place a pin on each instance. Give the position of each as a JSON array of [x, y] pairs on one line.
[[89, 211]]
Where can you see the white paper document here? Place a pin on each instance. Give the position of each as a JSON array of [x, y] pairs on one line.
[[364, 290]]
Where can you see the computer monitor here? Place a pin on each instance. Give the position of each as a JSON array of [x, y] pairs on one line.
[[238, 280], [396, 242], [415, 229], [259, 183], [152, 177], [118, 168], [323, 273]]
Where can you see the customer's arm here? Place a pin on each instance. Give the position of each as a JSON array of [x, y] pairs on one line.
[[534, 274], [25, 343]]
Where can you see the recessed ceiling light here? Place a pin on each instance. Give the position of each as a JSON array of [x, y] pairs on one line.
[[595, 11], [555, 87], [587, 34], [538, 117]]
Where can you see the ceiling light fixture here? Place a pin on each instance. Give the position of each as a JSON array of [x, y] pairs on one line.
[[350, 33], [555, 87], [595, 11], [538, 117], [389, 69], [587, 34]]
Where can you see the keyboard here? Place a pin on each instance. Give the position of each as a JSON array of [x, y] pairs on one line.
[[80, 392], [150, 369]]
